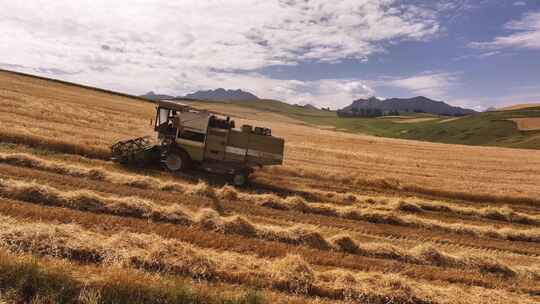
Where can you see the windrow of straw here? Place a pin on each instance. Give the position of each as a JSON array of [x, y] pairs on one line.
[[48, 143], [296, 203], [426, 254], [209, 219], [353, 179], [100, 174], [504, 214], [143, 182], [26, 279], [268, 200], [86, 200], [155, 254]]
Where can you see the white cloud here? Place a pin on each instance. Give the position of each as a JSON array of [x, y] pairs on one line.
[[430, 84], [519, 3], [477, 56], [177, 46], [525, 34]]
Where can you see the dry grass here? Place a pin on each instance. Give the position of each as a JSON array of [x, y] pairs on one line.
[[504, 213], [527, 124], [90, 201], [155, 254], [209, 219], [97, 173], [427, 255], [26, 280], [520, 106], [385, 217]]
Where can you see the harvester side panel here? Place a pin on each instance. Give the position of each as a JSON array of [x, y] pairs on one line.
[[265, 150], [216, 141], [236, 149], [194, 149], [254, 149]]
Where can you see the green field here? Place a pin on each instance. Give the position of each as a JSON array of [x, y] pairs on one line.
[[487, 129]]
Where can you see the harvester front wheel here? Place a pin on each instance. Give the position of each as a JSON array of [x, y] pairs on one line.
[[176, 160]]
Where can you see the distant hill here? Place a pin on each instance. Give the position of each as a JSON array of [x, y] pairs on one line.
[[403, 105], [520, 106], [211, 95], [153, 96], [223, 95], [310, 106], [497, 128]]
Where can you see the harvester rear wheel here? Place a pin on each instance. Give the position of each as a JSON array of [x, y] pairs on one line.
[[240, 178]]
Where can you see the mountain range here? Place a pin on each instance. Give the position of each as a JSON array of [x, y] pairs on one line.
[[415, 104], [223, 95], [211, 95], [391, 105], [153, 96]]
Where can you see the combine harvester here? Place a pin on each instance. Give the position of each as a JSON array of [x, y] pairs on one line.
[[190, 138]]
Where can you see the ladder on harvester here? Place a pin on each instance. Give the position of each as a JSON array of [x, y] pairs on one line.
[[137, 151]]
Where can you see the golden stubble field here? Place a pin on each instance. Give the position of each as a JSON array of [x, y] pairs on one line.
[[348, 218], [527, 124]]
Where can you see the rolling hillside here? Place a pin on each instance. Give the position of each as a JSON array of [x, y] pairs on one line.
[[348, 218], [487, 129]]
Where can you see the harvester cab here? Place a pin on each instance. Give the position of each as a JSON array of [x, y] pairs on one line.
[[192, 138]]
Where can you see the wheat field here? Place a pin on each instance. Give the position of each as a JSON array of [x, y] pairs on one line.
[[348, 218], [527, 124]]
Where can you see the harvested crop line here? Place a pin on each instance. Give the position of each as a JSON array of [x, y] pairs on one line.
[[27, 160], [142, 182], [386, 184], [381, 217], [89, 201], [296, 203], [152, 253], [201, 189], [53, 144], [204, 190], [61, 282], [209, 219], [505, 213], [100, 174]]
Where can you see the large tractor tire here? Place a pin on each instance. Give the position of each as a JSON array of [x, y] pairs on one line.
[[176, 160], [240, 178]]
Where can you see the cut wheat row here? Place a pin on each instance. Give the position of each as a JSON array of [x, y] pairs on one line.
[[291, 274], [298, 204], [282, 216], [153, 183], [210, 220]]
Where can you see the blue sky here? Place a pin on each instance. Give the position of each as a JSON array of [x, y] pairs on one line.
[[469, 53]]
